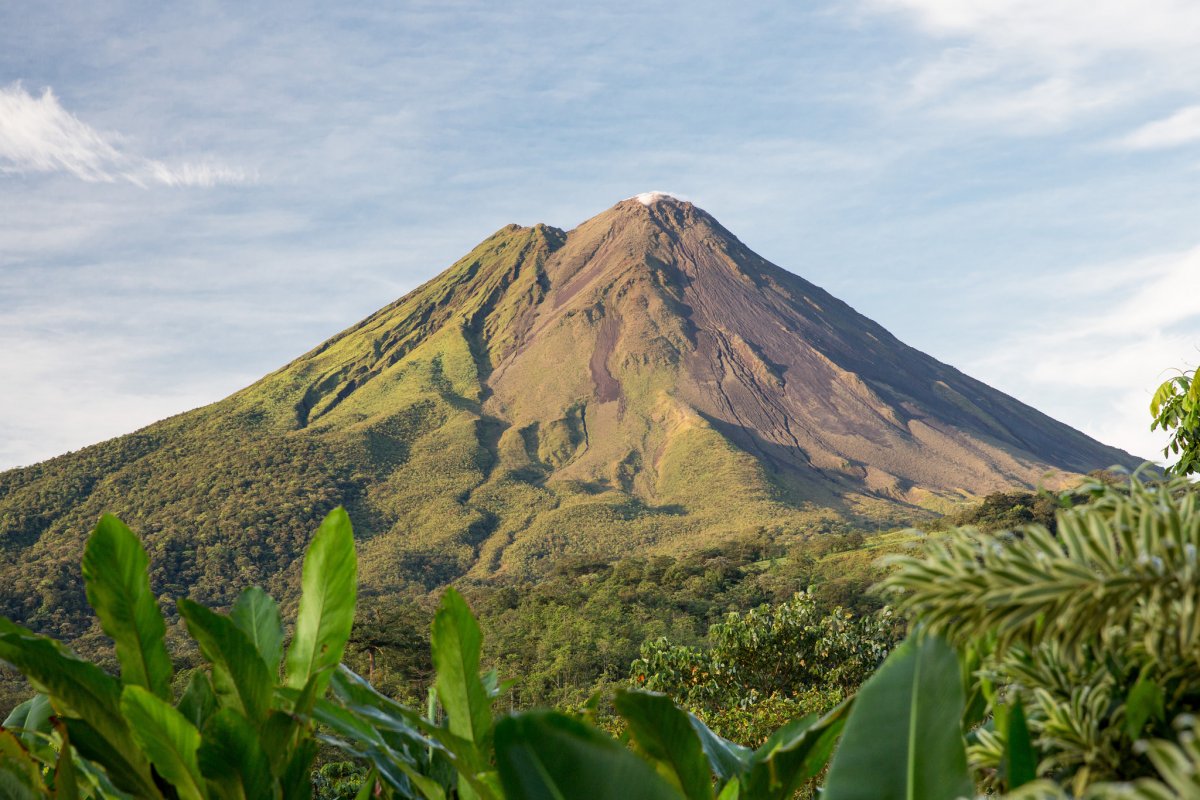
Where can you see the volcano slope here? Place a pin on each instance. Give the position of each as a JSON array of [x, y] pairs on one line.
[[642, 383]]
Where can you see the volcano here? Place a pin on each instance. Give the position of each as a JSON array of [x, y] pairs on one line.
[[642, 383]]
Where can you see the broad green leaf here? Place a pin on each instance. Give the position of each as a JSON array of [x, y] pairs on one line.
[[795, 753], [12, 784], [295, 779], [81, 690], [1145, 702], [128, 772], [326, 613], [29, 719], [66, 775], [903, 740], [20, 772], [232, 759], [456, 643], [665, 733], [732, 790], [727, 759], [354, 692], [239, 675], [118, 587], [544, 755], [403, 730], [167, 738], [395, 766], [257, 614], [198, 701], [1020, 760]]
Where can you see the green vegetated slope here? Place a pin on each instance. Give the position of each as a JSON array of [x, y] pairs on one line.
[[643, 384]]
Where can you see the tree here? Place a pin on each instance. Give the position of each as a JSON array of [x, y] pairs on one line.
[[1176, 408]]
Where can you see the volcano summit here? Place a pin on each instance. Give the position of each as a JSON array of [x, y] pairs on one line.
[[644, 382]]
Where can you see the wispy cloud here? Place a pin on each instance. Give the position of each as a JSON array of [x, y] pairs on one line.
[[1182, 127], [38, 135], [1127, 326], [1045, 65]]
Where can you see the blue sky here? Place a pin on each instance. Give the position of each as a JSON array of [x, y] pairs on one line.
[[193, 194]]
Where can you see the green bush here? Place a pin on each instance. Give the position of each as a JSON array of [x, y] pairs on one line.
[[1090, 636]]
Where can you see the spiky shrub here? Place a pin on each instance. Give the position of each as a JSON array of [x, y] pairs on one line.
[[241, 729], [1094, 631]]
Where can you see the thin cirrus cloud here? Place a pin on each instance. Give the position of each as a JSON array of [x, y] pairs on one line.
[[1180, 128], [1043, 66], [38, 135]]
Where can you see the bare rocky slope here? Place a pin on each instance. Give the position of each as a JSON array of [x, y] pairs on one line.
[[644, 382]]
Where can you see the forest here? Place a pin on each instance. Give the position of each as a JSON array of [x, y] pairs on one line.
[[1033, 646]]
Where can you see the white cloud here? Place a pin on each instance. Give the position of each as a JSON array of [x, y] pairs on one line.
[[1118, 333], [1182, 127], [38, 135], [1068, 30], [1040, 66]]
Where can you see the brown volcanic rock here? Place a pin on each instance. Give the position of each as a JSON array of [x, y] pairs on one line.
[[658, 296]]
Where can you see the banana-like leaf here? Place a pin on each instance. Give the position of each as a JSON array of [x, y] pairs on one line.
[[456, 644], [239, 675], [79, 689], [129, 773], [295, 779], [29, 719], [405, 733], [728, 760], [232, 759], [257, 614], [66, 774], [544, 755], [198, 701], [394, 766], [356, 693], [795, 753], [115, 576], [326, 614], [20, 772], [665, 733], [167, 738], [903, 740]]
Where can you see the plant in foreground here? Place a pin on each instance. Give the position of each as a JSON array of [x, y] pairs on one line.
[[1081, 649], [238, 731]]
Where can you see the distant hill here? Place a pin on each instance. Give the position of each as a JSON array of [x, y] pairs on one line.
[[642, 383]]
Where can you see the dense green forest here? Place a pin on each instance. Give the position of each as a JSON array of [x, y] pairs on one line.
[[1037, 662], [577, 628]]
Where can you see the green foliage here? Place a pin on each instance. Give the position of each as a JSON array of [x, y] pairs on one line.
[[235, 732], [797, 657], [257, 614], [551, 754], [1089, 634], [903, 739], [664, 732], [114, 575], [543, 755], [1175, 407], [326, 604]]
